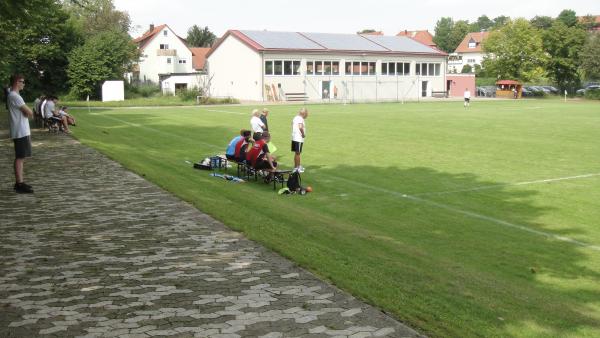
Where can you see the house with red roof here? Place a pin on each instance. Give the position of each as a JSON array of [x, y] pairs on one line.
[[289, 66], [166, 59], [423, 36], [592, 20], [468, 52]]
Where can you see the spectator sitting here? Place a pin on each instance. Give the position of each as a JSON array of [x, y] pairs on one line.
[[230, 152], [64, 112], [51, 113], [259, 156]]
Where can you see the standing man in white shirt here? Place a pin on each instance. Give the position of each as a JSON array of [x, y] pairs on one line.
[[298, 135], [256, 123], [467, 97], [19, 115]]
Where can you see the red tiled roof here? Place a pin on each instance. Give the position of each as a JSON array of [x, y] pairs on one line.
[[507, 82], [477, 37], [372, 33], [148, 36], [199, 57], [422, 36]]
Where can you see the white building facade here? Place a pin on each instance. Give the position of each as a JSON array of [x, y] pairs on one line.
[[469, 52], [287, 66], [166, 60]]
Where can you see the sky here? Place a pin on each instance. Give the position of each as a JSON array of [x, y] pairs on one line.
[[331, 16]]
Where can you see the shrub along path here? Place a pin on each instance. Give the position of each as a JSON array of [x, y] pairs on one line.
[[99, 251]]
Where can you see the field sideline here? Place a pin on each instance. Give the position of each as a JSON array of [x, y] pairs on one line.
[[461, 222]]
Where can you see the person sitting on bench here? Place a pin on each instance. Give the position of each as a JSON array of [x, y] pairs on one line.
[[230, 152], [241, 149], [259, 156]]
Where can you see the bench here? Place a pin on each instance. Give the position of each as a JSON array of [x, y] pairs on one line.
[[441, 94], [248, 172], [296, 97]]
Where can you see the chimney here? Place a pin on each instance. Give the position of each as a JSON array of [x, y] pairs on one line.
[[406, 32], [151, 27]]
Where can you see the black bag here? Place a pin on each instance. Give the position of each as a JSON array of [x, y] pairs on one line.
[[294, 182]]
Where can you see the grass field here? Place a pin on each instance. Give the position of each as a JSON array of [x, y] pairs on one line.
[[460, 222]]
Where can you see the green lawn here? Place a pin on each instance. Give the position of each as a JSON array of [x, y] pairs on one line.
[[435, 213]]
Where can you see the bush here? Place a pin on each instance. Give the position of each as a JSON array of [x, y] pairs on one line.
[[188, 94], [467, 69], [141, 90], [214, 100], [593, 94]]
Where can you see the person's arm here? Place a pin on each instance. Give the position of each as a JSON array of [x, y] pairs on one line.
[[301, 128], [270, 160], [26, 111]]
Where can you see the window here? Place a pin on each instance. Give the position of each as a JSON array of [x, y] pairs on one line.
[[395, 68], [169, 60], [183, 61], [268, 67], [359, 68], [472, 43], [287, 67], [282, 67], [165, 32], [327, 67], [428, 69], [296, 66], [310, 68], [164, 46], [278, 68], [470, 60], [348, 68], [323, 67], [318, 67], [335, 68]]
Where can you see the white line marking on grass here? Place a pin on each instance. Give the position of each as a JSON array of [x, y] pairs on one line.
[[156, 130], [227, 112], [472, 214], [485, 187]]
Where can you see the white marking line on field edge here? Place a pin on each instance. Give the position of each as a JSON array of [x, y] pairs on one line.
[[473, 214], [227, 112], [485, 187], [152, 129]]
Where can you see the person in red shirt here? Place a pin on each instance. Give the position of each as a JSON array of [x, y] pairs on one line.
[[259, 156]]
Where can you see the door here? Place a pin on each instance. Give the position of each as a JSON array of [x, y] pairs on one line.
[[325, 89], [424, 88]]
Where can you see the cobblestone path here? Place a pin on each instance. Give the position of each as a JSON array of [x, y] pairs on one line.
[[98, 251]]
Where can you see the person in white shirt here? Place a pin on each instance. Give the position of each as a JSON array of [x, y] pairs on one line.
[[467, 97], [256, 123], [298, 135], [19, 115]]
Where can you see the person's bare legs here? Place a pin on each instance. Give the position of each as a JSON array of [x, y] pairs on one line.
[[296, 160], [19, 169], [65, 124]]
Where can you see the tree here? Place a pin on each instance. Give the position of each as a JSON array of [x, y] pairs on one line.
[[442, 31], [105, 56], [466, 69], [564, 45], [459, 31], [516, 52], [484, 23], [500, 21], [568, 17], [590, 57], [542, 22], [36, 36], [96, 16], [197, 37], [366, 31]]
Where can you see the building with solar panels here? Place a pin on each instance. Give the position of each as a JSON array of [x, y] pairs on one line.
[[292, 66]]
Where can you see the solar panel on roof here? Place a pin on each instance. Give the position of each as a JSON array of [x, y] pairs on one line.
[[401, 44], [344, 42], [281, 40]]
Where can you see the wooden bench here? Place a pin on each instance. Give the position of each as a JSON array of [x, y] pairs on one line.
[[248, 172], [296, 97]]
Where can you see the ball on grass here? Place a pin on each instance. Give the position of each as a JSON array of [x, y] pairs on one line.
[[309, 189]]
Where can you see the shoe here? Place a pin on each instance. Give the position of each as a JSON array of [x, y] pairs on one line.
[[300, 169], [23, 188]]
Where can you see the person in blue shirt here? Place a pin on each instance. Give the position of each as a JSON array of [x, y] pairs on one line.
[[230, 152]]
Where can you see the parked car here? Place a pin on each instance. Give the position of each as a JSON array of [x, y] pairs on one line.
[[583, 90], [552, 90], [526, 92], [486, 91]]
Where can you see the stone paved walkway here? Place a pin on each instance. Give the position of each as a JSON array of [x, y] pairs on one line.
[[98, 251]]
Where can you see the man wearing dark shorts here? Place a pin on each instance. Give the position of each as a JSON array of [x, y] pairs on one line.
[[298, 134], [19, 115]]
